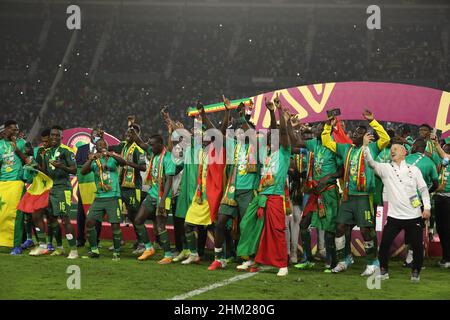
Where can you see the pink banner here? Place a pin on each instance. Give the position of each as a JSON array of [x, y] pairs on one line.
[[388, 101]]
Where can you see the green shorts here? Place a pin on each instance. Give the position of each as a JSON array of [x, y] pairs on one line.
[[243, 199], [151, 204], [330, 200], [131, 198], [59, 202], [102, 206], [357, 210]]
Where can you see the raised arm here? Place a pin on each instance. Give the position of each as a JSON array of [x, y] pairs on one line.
[[439, 149], [226, 115], [384, 138], [270, 106], [137, 138], [284, 116], [326, 135]]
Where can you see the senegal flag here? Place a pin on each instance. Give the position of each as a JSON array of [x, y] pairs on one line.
[[10, 217], [86, 185], [36, 197]]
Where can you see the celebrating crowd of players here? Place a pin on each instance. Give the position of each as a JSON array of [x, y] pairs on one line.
[[313, 178]]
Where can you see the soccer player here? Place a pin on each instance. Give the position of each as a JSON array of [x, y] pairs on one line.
[[59, 164], [430, 150], [427, 167], [158, 200], [130, 177], [323, 170], [402, 182], [357, 206], [81, 157], [203, 210], [37, 217], [442, 203], [105, 166], [272, 249], [405, 137], [240, 188], [12, 158]]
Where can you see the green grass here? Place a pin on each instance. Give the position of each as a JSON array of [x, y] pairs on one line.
[[25, 277]]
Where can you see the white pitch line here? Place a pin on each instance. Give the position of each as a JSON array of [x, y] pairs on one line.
[[222, 283]]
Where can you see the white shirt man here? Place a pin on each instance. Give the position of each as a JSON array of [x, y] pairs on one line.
[[401, 182]]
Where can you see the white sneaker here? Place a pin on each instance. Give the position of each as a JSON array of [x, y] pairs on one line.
[[245, 265], [193, 258], [383, 276], [283, 272], [370, 270], [73, 254], [341, 266], [139, 250], [38, 251]]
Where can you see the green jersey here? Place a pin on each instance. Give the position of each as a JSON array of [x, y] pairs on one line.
[[277, 165], [106, 177], [244, 180], [63, 154], [11, 164], [325, 161], [160, 168], [354, 166], [130, 177], [425, 165]]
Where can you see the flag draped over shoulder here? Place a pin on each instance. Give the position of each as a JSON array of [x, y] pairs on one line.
[[36, 196], [205, 212], [10, 218], [188, 184]]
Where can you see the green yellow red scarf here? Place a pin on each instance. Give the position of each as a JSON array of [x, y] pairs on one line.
[[199, 190], [229, 194], [127, 173], [100, 167]]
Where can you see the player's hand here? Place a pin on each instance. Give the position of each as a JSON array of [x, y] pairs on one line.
[[269, 104], [57, 164], [162, 207], [332, 121], [250, 105], [368, 115], [91, 156], [426, 214], [433, 137], [226, 102], [277, 101], [322, 182], [368, 138]]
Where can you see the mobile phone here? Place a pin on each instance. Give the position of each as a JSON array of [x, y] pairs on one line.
[[333, 113]]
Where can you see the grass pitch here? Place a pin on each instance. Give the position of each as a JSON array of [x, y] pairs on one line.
[[45, 277]]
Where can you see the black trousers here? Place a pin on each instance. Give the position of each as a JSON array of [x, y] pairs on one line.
[[81, 222], [413, 229], [442, 211]]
